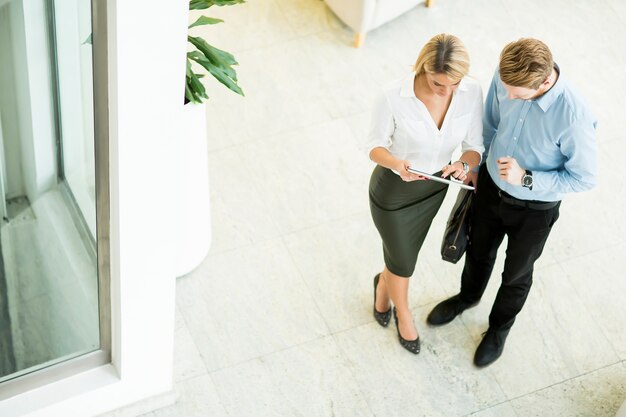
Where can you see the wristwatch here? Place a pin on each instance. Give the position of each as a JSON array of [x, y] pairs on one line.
[[465, 166], [527, 180]]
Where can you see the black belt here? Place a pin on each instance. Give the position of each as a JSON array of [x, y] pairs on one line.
[[535, 205]]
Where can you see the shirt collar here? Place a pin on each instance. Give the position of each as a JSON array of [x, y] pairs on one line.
[[406, 87], [546, 100]]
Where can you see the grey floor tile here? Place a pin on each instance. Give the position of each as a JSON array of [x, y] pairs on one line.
[[500, 410], [311, 379], [553, 339], [599, 281], [187, 360], [440, 381], [279, 97], [197, 398], [303, 183], [271, 27], [338, 260], [597, 394], [240, 215], [247, 303]]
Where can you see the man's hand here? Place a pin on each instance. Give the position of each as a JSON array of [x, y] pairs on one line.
[[472, 178], [510, 171]]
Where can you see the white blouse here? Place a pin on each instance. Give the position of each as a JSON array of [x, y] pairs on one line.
[[402, 124]]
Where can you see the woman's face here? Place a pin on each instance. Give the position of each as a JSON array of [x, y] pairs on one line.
[[441, 84]]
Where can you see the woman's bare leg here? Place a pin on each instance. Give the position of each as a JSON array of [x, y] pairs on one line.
[[382, 295], [397, 288]]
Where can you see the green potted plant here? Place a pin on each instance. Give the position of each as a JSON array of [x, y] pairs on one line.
[[193, 225], [216, 62]]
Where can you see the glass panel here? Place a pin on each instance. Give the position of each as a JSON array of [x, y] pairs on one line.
[[72, 31], [48, 265]]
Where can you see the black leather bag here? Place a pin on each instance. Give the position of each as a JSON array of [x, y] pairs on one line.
[[456, 235]]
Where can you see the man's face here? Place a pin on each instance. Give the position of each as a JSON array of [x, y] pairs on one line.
[[520, 93]]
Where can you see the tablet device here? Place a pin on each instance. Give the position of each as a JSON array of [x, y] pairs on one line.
[[437, 177]]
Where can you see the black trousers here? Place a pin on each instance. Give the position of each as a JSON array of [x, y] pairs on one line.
[[527, 230]]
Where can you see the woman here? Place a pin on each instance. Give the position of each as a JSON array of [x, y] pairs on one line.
[[418, 122]]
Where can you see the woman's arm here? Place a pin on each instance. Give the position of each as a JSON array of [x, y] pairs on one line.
[[384, 158], [457, 168], [472, 146]]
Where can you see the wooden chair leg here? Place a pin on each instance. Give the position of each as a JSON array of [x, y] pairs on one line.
[[359, 38], [428, 3]]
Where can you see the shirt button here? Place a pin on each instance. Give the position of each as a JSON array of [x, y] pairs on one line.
[[515, 138], [521, 120]]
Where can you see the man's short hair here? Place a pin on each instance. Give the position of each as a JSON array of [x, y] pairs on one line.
[[526, 63]]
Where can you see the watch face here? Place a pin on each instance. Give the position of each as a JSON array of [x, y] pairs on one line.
[[527, 180]]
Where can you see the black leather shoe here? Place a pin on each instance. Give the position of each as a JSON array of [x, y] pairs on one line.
[[490, 348], [412, 346], [447, 310], [384, 317]]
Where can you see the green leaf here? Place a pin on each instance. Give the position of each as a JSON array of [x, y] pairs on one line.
[[189, 72], [222, 77], [218, 63], [194, 89], [206, 63], [205, 4], [205, 20], [196, 85], [189, 94], [215, 55]]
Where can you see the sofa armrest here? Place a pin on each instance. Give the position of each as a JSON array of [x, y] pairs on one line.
[[357, 14]]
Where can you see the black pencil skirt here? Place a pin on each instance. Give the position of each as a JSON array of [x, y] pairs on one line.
[[403, 212]]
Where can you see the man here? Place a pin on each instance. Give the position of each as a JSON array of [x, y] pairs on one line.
[[540, 144]]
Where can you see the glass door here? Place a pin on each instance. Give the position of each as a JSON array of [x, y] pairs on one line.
[[49, 287]]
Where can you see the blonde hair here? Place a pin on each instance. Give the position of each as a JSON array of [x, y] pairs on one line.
[[526, 63], [443, 54]]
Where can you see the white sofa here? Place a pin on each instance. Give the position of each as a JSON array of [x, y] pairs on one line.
[[364, 15]]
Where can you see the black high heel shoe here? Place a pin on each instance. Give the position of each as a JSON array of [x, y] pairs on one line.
[[384, 317], [412, 346]]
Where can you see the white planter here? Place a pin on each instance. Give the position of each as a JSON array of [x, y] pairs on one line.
[[192, 225]]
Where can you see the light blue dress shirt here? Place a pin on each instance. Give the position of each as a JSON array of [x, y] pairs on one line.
[[553, 136]]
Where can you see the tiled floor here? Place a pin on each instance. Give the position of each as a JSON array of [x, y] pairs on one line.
[[277, 320]]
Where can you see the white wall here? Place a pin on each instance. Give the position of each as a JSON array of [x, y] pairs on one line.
[[8, 110], [146, 92], [33, 87]]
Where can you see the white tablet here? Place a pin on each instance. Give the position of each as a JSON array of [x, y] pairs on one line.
[[436, 177]]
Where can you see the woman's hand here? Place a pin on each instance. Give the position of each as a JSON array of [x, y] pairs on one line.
[[455, 169], [401, 167]]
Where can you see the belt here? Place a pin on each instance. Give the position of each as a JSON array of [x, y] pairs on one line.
[[531, 204]]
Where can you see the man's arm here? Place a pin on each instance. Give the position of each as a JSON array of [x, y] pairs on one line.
[[580, 170]]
